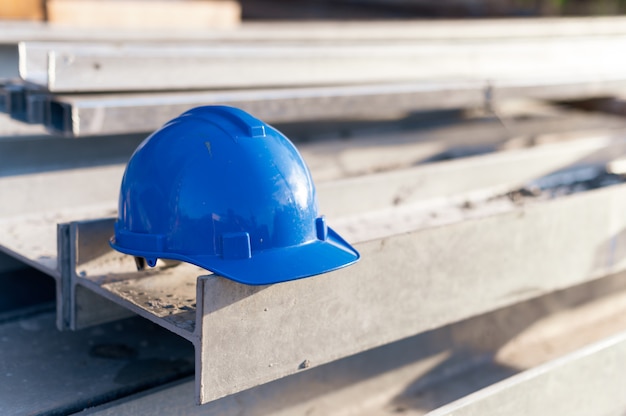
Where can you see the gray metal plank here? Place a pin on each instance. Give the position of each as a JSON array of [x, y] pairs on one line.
[[564, 87], [123, 282], [75, 67], [421, 373], [84, 115], [403, 285], [587, 382], [124, 113], [42, 154], [328, 32], [77, 307], [492, 270], [14, 32], [443, 187], [484, 176], [483, 236]]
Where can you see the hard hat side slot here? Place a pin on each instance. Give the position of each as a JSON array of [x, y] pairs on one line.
[[236, 246]]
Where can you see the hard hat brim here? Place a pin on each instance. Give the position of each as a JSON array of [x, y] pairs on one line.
[[271, 266]]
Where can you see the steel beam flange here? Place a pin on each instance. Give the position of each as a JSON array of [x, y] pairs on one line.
[[405, 284], [78, 308]]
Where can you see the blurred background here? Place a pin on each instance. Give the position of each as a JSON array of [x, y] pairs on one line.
[[367, 9]]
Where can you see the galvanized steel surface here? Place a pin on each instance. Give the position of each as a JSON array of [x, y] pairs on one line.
[[492, 244]]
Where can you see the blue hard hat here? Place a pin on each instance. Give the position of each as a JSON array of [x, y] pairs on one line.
[[220, 189]]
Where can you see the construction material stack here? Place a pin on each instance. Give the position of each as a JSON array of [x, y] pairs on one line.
[[489, 218]]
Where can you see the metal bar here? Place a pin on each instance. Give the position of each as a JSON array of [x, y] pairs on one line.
[[403, 285], [80, 115], [422, 267], [166, 295], [423, 372], [78, 308], [14, 32], [313, 32], [44, 199], [588, 381], [332, 157], [71, 68], [565, 87], [419, 260], [84, 115], [40, 153], [114, 114], [134, 67], [39, 197], [459, 180]]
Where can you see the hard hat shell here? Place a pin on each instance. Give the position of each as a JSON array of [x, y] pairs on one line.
[[220, 189]]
